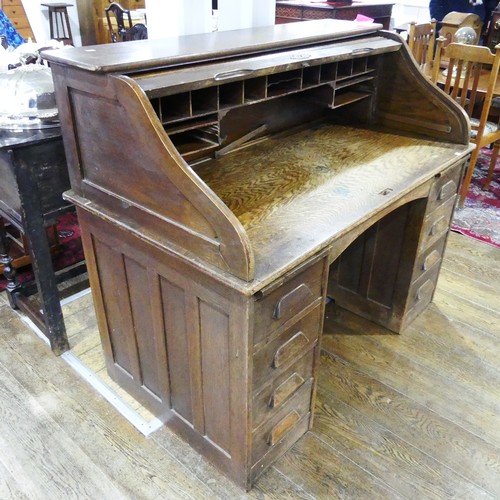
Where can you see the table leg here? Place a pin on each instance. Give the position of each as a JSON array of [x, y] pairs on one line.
[[9, 271], [43, 269]]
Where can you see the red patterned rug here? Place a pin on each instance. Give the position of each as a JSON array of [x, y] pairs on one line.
[[71, 249], [479, 218]]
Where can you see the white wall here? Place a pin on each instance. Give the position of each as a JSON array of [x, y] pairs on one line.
[[178, 17], [405, 11], [38, 17], [245, 13], [185, 17]]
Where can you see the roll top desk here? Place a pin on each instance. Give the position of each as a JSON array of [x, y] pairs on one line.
[[228, 185]]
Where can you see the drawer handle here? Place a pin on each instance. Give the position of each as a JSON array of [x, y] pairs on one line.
[[425, 290], [290, 386], [439, 226], [290, 349], [430, 260], [225, 75], [290, 301], [447, 190], [282, 427]]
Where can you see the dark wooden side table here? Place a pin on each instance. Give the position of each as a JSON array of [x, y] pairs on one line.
[[33, 176], [60, 28], [293, 10]]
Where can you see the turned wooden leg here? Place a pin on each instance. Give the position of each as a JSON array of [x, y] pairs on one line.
[[493, 164], [468, 177], [9, 271]]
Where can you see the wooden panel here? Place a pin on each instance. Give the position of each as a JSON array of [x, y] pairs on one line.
[[115, 292], [142, 316], [369, 267], [215, 367], [174, 317], [116, 169]]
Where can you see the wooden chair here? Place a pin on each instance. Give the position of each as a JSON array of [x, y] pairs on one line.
[[467, 63], [123, 21], [138, 31], [421, 41]]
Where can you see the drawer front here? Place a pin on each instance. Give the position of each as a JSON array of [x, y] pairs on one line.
[[421, 293], [7, 3], [277, 356], [268, 401], [285, 302], [436, 224], [13, 12], [428, 258], [444, 187], [286, 420], [276, 451]]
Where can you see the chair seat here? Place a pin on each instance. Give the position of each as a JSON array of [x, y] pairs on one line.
[[489, 128], [495, 103]]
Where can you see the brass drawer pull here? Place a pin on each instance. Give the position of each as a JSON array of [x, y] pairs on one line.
[[430, 260], [439, 226], [282, 427], [290, 349], [290, 386], [295, 299], [447, 190]]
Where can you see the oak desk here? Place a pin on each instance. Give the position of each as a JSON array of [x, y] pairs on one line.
[[226, 184]]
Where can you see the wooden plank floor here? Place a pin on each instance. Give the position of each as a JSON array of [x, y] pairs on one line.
[[412, 416]]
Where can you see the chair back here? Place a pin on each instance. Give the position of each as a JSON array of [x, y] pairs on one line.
[[421, 41], [472, 75], [471, 78], [122, 18], [138, 31]]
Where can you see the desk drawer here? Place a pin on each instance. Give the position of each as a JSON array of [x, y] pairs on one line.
[[7, 3], [436, 224], [276, 451], [285, 302], [421, 292], [268, 401], [444, 187], [428, 258], [286, 420], [276, 357]]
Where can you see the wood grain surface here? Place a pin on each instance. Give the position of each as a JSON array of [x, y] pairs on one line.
[[334, 167]]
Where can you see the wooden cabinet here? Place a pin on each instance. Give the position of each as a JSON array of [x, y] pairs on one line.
[[296, 10], [227, 186], [14, 10]]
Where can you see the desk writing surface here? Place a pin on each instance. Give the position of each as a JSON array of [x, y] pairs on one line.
[[296, 194]]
